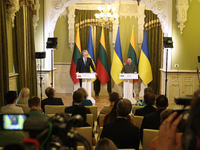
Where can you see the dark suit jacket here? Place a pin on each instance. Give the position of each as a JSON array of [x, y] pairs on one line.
[[150, 121], [81, 67], [123, 133], [70, 109], [145, 110], [51, 101]]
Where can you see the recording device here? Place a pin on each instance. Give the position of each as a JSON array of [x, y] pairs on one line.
[[55, 133], [12, 121]]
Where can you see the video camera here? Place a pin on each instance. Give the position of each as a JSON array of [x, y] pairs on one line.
[[55, 133]]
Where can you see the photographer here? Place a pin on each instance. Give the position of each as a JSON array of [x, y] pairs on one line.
[[167, 133]]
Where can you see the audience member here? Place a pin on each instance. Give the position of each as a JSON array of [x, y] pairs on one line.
[[34, 104], [51, 100], [85, 102], [123, 133], [105, 144], [141, 101], [24, 95], [191, 136], [164, 114], [152, 120], [10, 108], [113, 115], [77, 98], [80, 110], [149, 100]]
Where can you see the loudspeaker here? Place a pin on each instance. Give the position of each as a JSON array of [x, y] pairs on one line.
[[40, 55], [167, 42], [52, 42], [198, 59]]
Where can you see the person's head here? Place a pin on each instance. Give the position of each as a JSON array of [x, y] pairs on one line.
[[165, 114], [24, 93], [124, 107], [50, 92], [161, 102], [78, 97], [85, 53], [34, 102], [148, 89], [104, 144], [85, 94], [129, 60], [113, 97], [11, 97], [149, 99], [80, 110]]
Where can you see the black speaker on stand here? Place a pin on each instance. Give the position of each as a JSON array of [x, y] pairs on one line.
[[52, 44], [167, 43], [40, 55]]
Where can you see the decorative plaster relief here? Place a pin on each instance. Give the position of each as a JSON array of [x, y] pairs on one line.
[[36, 17], [182, 7], [12, 10], [128, 10]]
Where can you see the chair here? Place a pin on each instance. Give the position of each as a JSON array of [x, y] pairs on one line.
[[137, 107], [53, 109], [148, 136], [86, 132], [99, 134], [25, 107], [51, 115], [138, 121], [101, 117], [93, 110]]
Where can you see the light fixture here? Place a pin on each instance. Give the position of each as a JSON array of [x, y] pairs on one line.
[[106, 15], [138, 1]]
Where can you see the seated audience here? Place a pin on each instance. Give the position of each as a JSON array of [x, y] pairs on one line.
[[34, 104], [152, 120], [113, 115], [77, 98], [164, 114], [141, 101], [105, 144], [10, 137], [149, 100], [85, 102], [24, 95], [123, 133], [80, 110], [10, 108], [191, 135], [51, 100]]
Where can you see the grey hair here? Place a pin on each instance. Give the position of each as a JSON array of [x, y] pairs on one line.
[[84, 51]]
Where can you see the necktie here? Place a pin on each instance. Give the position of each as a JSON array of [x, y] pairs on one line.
[[85, 61]]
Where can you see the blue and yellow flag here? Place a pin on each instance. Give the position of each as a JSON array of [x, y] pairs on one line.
[[144, 67], [117, 62], [90, 50]]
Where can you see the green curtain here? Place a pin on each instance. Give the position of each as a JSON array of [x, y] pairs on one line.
[[84, 19], [154, 36], [24, 50], [4, 75]]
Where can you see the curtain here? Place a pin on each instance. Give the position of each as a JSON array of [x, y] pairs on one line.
[[154, 36], [84, 19], [4, 75], [24, 50]]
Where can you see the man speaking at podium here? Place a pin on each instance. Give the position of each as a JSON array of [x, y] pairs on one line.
[[83, 65], [129, 67]]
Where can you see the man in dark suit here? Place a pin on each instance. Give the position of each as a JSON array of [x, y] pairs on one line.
[[149, 100], [152, 120], [83, 65], [123, 133], [51, 100], [78, 97]]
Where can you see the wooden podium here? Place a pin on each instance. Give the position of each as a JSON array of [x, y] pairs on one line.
[[86, 83], [128, 85]]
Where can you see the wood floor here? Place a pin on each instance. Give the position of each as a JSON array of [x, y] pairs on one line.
[[101, 101]]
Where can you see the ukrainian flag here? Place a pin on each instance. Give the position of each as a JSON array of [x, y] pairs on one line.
[[117, 62], [144, 67], [91, 51]]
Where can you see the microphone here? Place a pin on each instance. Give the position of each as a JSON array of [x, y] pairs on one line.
[[197, 69]]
